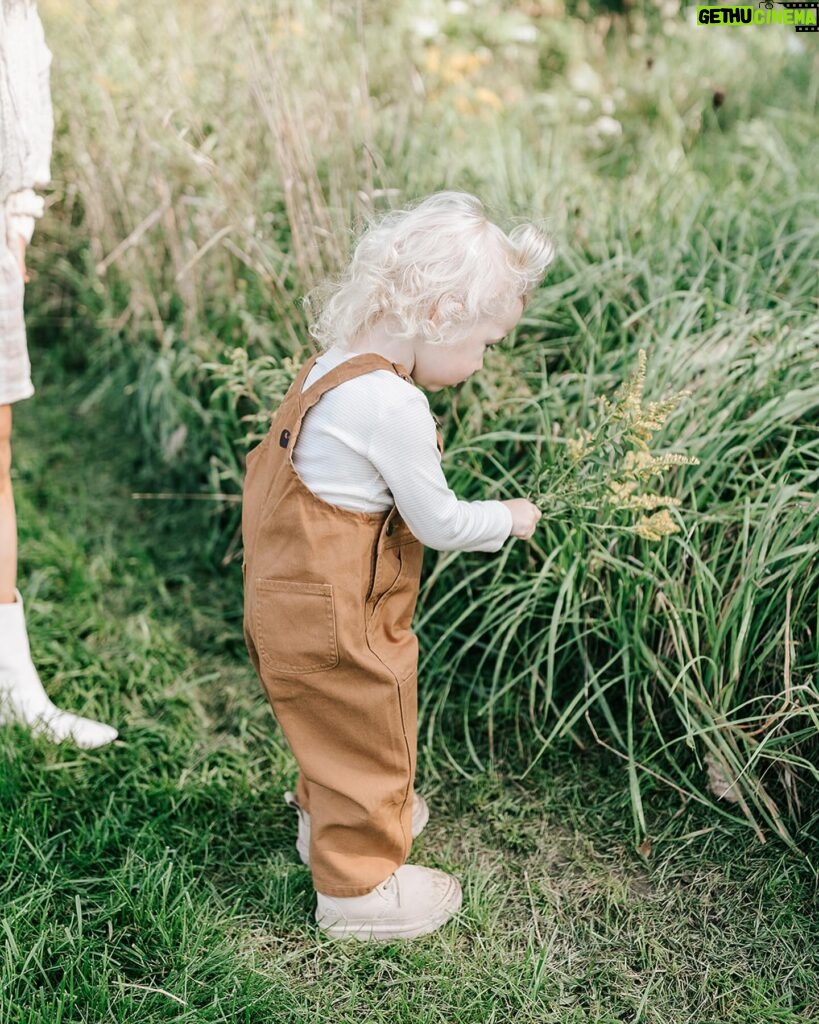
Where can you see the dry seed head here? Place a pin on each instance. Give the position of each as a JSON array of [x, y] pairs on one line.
[[662, 462], [642, 465], [617, 481], [622, 493], [657, 526], [578, 446], [628, 397], [623, 497], [656, 413], [638, 464], [719, 780]]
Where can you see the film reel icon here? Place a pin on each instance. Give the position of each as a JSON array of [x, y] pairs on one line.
[[796, 5]]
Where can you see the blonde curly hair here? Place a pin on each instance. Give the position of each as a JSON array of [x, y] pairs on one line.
[[432, 270]]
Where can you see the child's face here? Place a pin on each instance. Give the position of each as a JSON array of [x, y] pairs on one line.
[[439, 366]]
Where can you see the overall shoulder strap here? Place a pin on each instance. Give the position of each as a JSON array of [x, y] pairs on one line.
[[301, 376], [355, 367]]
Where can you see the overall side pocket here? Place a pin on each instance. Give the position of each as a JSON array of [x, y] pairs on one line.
[[295, 626]]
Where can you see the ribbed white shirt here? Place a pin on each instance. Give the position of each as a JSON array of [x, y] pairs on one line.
[[370, 442]]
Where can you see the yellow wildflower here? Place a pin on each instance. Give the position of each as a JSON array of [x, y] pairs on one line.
[[617, 465], [432, 59], [657, 526], [463, 105], [489, 98], [460, 65], [578, 447], [628, 397]]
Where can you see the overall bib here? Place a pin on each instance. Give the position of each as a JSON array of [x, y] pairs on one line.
[[330, 594]]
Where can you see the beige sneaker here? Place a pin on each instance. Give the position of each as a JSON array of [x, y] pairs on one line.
[[413, 901], [420, 816]]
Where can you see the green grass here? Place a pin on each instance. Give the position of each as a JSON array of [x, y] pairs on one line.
[[156, 880]]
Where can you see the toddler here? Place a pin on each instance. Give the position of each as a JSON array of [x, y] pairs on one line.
[[339, 500]]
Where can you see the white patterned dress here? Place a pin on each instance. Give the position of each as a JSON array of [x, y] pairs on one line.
[[26, 127]]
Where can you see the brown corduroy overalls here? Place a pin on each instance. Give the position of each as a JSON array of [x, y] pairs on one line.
[[330, 594]]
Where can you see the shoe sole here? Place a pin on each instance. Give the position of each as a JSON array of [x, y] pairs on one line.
[[411, 930]]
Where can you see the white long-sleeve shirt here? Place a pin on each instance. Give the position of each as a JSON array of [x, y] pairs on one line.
[[370, 442], [26, 119]]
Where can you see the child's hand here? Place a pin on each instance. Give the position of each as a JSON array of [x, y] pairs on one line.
[[525, 517], [21, 258]]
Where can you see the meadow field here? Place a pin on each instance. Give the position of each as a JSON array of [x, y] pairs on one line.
[[618, 724]]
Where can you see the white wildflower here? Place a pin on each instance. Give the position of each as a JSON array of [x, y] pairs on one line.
[[674, 156], [523, 34], [425, 28], [607, 127], [584, 79]]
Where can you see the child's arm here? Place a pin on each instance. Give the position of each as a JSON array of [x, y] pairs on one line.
[[403, 450]]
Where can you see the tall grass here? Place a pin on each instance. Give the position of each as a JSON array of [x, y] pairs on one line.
[[156, 880], [216, 161]]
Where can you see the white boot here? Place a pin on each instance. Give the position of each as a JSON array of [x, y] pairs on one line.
[[413, 901], [420, 816], [22, 697]]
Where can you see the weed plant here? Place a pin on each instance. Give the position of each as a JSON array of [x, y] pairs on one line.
[[207, 177]]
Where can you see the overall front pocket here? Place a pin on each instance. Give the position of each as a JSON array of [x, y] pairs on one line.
[[295, 626]]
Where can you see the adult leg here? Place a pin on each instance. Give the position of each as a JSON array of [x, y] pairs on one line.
[[8, 522], [22, 697]]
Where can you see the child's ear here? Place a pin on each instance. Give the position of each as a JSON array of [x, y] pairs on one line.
[[445, 308]]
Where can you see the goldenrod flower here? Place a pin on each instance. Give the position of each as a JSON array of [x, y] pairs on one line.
[[657, 526], [608, 468], [578, 447]]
